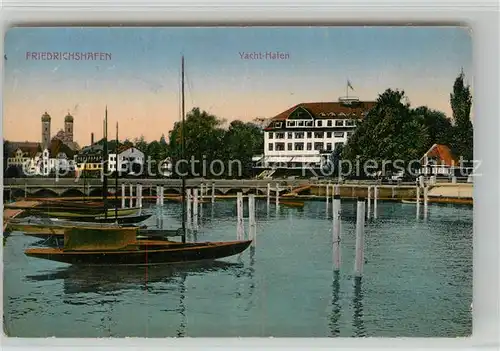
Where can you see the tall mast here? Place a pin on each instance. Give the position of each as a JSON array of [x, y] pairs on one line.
[[105, 164], [116, 174], [183, 191]]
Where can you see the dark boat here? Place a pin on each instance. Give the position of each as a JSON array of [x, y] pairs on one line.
[[119, 246], [119, 220]]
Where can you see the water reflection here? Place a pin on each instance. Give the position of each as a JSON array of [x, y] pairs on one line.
[[251, 276], [107, 279], [181, 331], [358, 324], [335, 315]]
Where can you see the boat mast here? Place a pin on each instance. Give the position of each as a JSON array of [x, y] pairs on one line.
[[104, 164], [116, 174], [183, 191]]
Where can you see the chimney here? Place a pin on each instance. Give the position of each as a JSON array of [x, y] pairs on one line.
[[91, 138]]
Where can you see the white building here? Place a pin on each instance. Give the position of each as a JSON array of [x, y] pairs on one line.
[[305, 135], [126, 159]]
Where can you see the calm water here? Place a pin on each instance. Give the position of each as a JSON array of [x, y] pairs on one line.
[[417, 281]]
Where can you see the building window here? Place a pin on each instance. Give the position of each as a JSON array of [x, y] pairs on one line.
[[309, 146], [318, 146], [309, 123], [339, 123], [309, 134], [290, 123], [329, 123], [338, 134], [299, 146], [270, 146], [280, 135], [299, 135], [271, 135], [328, 134], [290, 135], [290, 146], [319, 134], [328, 146], [337, 145], [301, 123], [320, 123], [349, 123], [280, 146]]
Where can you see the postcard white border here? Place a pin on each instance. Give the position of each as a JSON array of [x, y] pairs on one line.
[[480, 16]]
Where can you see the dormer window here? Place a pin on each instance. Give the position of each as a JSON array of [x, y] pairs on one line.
[[322, 114], [331, 114]]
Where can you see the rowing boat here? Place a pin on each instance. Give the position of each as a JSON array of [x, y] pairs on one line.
[[119, 246]]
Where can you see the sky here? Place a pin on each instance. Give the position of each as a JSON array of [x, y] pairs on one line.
[[138, 78]]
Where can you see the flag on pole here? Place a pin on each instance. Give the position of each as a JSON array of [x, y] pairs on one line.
[[349, 85]]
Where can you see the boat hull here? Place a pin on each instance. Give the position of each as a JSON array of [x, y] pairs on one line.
[[83, 213], [168, 254]]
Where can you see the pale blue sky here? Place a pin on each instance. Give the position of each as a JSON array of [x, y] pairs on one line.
[[145, 65]]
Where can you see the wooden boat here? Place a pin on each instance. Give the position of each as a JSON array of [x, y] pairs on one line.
[[83, 213], [120, 220], [119, 246], [57, 228], [409, 202], [289, 203]]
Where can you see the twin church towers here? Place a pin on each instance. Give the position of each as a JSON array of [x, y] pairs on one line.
[[65, 135]]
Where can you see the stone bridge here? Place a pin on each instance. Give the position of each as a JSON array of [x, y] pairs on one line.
[[51, 187]]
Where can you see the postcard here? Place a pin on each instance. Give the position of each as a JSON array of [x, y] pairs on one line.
[[238, 182]]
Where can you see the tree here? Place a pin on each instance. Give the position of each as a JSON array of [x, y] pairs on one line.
[[141, 144], [203, 140], [389, 133], [461, 102], [438, 125], [242, 141], [163, 141]]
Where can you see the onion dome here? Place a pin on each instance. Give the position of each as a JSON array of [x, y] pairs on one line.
[[45, 117], [68, 118]]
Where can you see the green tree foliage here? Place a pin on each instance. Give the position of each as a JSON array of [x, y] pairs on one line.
[[206, 140], [392, 131], [461, 102], [242, 141], [141, 144]]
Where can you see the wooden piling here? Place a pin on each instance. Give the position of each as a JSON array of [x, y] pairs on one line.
[[188, 209], [369, 198], [123, 195], [252, 225], [240, 229], [131, 196], [375, 202], [195, 208], [360, 238], [213, 192], [327, 191]]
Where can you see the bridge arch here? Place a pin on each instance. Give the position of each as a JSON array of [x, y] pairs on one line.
[[233, 191], [47, 192], [72, 192]]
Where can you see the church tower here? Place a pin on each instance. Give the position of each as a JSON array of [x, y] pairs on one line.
[[68, 127], [45, 130]]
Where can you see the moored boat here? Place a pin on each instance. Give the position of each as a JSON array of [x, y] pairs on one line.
[[409, 202], [289, 203], [119, 246]]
